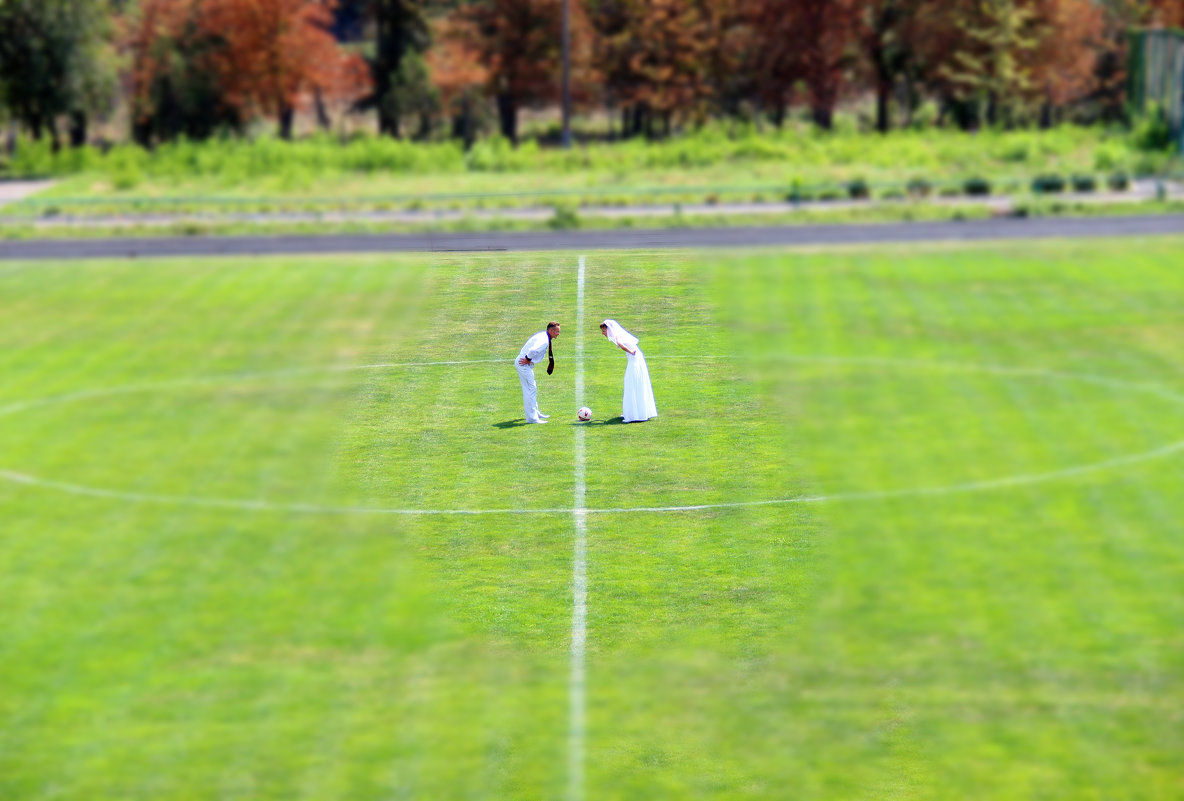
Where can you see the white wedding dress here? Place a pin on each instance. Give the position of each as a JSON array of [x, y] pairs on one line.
[[638, 404]]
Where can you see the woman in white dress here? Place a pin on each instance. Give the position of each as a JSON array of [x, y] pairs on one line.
[[638, 404]]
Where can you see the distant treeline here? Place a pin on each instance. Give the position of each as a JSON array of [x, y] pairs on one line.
[[191, 69]]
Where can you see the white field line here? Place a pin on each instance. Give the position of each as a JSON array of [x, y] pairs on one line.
[[579, 580], [261, 505]]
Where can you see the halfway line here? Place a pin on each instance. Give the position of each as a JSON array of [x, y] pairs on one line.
[[579, 581]]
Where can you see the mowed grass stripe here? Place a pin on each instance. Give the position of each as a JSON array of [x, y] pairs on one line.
[[100, 548], [262, 715], [289, 694], [235, 336]]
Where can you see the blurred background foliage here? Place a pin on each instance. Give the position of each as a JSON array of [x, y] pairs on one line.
[[468, 82]]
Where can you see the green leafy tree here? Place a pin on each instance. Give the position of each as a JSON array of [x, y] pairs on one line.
[[988, 67], [52, 63], [400, 37]]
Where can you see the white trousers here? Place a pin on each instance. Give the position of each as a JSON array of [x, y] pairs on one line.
[[530, 391]]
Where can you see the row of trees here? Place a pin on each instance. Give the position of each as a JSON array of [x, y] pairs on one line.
[[192, 67]]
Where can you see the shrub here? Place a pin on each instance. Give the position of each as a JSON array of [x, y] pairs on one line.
[[976, 187], [565, 218], [1105, 159], [1151, 164], [1154, 132], [1015, 151], [1119, 182], [858, 189], [127, 178], [1084, 183], [32, 159], [801, 194], [1048, 184], [919, 187]]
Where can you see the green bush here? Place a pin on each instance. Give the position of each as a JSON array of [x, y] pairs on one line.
[[127, 178], [1153, 132], [1048, 184], [1105, 158], [976, 187], [1119, 182], [1015, 152], [1084, 183], [919, 187], [858, 189], [566, 218], [33, 159]]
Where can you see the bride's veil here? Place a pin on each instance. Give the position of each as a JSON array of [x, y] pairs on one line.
[[619, 335]]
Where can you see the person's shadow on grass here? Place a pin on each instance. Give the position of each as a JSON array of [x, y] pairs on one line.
[[521, 422]]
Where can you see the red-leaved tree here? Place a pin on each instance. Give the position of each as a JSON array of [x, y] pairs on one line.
[[455, 69], [276, 53], [517, 41]]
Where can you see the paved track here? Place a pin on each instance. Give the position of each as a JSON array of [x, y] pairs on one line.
[[631, 239]]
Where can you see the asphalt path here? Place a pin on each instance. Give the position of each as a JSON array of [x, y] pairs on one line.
[[620, 239]]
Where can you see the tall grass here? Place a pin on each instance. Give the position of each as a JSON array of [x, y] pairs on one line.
[[931, 152]]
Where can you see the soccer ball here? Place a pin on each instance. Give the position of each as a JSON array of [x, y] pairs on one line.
[[584, 413]]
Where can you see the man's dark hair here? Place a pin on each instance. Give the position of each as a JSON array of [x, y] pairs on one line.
[[552, 324]]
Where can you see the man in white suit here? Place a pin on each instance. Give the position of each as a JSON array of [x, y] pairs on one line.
[[532, 353]]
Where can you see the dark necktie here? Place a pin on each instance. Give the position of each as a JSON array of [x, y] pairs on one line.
[[550, 357]]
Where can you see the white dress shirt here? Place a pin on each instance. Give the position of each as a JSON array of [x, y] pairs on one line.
[[535, 348]]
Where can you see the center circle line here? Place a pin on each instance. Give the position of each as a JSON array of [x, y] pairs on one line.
[[262, 505]]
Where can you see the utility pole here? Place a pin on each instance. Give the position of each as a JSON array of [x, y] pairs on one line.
[[566, 89]]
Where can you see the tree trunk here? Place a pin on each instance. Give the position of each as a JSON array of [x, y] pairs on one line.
[[824, 117], [54, 138], [1046, 115], [286, 116], [462, 123], [883, 98], [323, 120], [388, 113], [78, 128], [964, 112], [142, 133], [507, 112], [907, 99], [778, 115]]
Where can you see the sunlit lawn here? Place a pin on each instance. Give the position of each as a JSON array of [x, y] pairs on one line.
[[940, 559]]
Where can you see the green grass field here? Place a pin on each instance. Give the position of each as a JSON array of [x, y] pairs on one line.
[[941, 557]]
